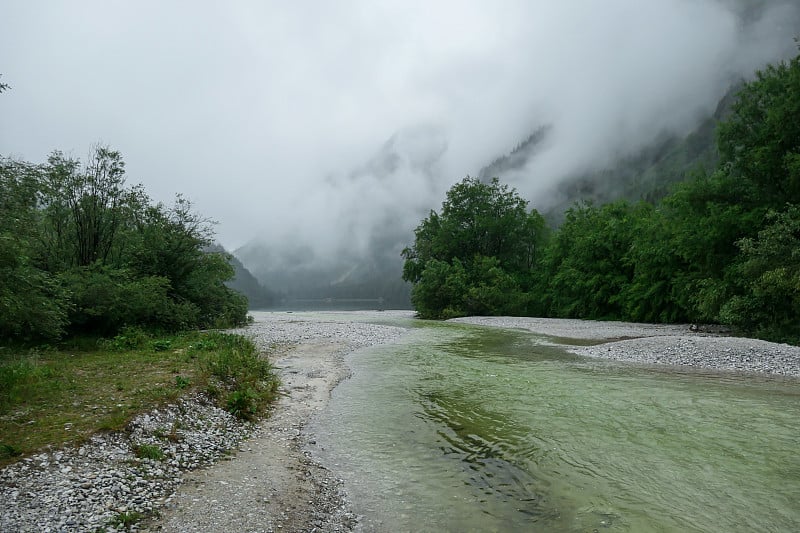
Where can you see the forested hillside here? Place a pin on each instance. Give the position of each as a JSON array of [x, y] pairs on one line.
[[648, 174], [723, 246], [243, 282]]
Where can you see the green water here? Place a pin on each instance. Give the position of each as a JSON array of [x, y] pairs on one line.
[[460, 428]]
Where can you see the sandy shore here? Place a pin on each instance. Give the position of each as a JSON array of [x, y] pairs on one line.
[[270, 484]]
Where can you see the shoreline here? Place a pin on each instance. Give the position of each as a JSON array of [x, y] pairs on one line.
[[659, 344], [221, 474], [263, 476], [274, 483]]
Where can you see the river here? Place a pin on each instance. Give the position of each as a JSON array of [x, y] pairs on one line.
[[464, 428]]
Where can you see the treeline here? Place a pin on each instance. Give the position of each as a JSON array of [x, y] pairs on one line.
[[723, 247], [82, 252]]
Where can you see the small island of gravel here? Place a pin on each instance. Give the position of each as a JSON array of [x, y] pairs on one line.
[[667, 344]]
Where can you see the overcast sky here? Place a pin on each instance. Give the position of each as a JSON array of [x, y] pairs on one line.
[[270, 115]]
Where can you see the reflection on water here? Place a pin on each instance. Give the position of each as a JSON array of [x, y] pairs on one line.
[[461, 428]]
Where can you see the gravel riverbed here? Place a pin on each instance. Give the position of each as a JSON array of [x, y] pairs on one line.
[[103, 483], [667, 344]]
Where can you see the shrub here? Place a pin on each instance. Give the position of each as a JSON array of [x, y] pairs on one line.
[[241, 379]]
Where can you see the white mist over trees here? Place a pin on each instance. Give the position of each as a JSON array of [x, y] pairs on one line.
[[332, 128]]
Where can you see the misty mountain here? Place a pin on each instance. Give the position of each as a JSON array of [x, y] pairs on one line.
[[245, 283], [301, 276], [364, 268], [299, 273], [347, 247], [518, 158], [645, 175]]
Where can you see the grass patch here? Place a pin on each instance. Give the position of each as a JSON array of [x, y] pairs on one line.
[[7, 451], [241, 381], [126, 520], [63, 394], [149, 451]]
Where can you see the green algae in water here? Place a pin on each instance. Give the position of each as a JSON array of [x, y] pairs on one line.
[[467, 429]]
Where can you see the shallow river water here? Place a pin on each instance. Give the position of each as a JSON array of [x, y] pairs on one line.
[[463, 428]]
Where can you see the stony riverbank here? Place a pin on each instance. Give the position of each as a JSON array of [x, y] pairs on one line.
[[108, 483], [274, 484], [668, 344]]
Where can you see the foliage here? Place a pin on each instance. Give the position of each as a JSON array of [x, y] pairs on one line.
[[768, 271], [19, 376], [126, 520], [440, 289], [78, 387], [242, 380], [658, 270], [464, 260], [723, 246], [587, 261], [31, 304], [761, 140], [80, 251], [8, 451], [149, 451], [182, 382]]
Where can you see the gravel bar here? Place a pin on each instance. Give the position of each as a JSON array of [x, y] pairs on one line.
[[96, 485], [667, 344], [102, 484]]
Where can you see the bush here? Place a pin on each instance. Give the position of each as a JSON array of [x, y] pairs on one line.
[[129, 338], [242, 403], [32, 305], [242, 380]]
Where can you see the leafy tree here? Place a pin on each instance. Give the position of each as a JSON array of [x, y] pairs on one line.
[[769, 275], [440, 290], [761, 139], [472, 258], [587, 261], [104, 299], [657, 270], [492, 290], [82, 252], [83, 207], [31, 303], [724, 246], [706, 216]]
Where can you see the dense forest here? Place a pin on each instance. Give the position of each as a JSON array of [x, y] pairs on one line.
[[82, 252], [721, 247]]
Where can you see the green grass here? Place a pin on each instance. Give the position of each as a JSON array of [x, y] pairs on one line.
[[126, 520], [149, 451], [61, 395]]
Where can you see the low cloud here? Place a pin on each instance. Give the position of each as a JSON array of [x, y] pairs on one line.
[[339, 125]]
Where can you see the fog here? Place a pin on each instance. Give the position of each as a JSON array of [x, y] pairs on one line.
[[326, 122]]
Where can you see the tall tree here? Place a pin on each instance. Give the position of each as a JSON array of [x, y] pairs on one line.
[[83, 205], [761, 139], [31, 303], [481, 246]]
